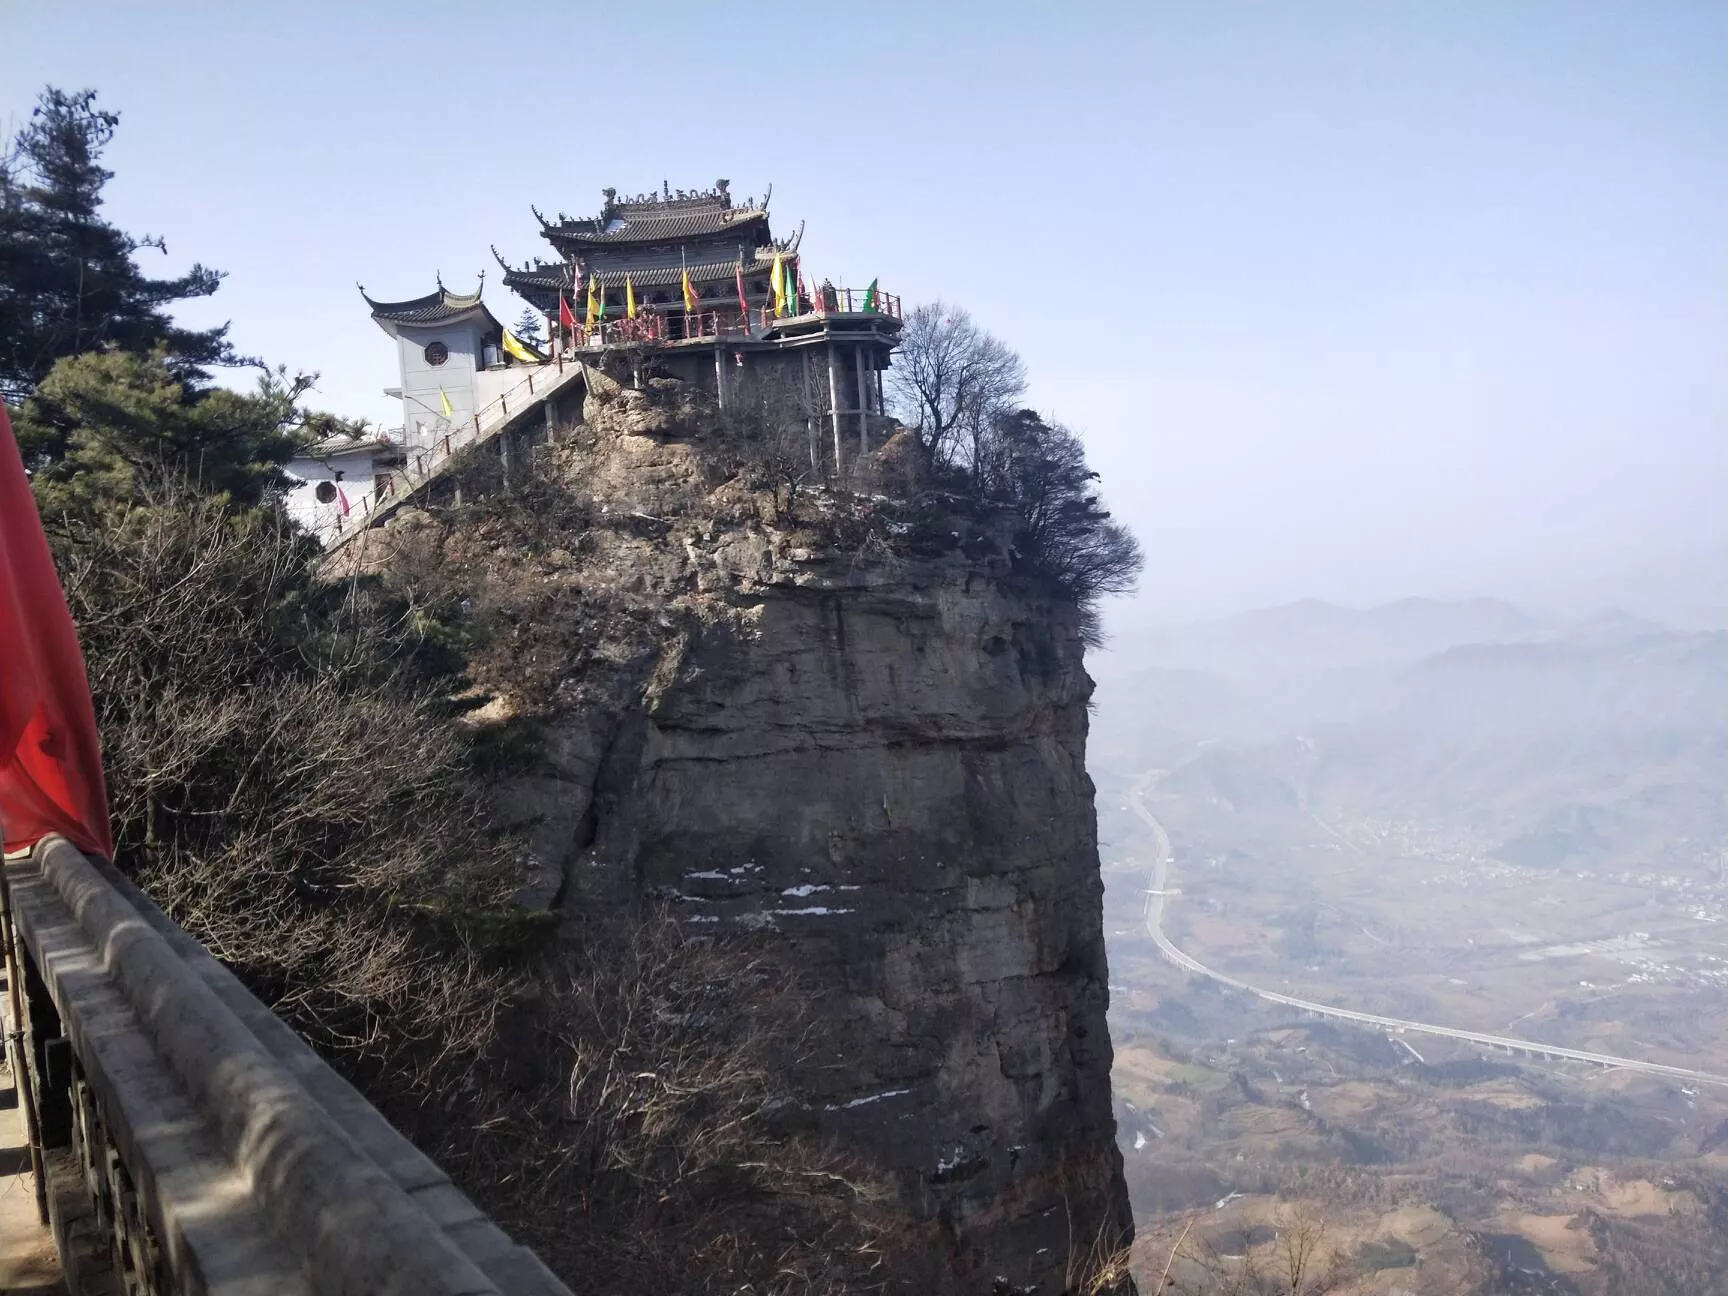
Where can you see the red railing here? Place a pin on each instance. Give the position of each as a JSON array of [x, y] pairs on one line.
[[855, 301], [676, 326]]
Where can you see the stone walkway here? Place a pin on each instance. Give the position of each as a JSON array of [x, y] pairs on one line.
[[28, 1265]]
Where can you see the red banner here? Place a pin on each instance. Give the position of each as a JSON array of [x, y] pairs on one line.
[[50, 759]]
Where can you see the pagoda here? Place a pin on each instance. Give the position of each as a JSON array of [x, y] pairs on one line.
[[652, 241], [700, 288]]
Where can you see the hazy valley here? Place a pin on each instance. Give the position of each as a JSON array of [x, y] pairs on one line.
[[1449, 814]]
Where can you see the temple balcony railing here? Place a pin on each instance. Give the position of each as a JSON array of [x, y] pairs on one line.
[[673, 327]]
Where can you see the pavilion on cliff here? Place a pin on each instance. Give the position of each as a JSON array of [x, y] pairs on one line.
[[703, 286]]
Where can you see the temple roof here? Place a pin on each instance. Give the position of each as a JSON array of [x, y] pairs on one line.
[[439, 307], [552, 275], [700, 272], [659, 218], [541, 281], [341, 443], [659, 227]]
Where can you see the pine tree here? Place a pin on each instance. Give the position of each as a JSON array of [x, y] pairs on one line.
[[68, 283], [527, 328], [106, 429]]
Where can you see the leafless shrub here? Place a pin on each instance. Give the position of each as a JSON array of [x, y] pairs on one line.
[[1296, 1260], [676, 1136], [288, 782]]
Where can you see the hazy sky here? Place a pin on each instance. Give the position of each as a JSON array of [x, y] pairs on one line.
[[1352, 300]]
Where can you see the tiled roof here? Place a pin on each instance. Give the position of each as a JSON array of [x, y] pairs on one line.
[[434, 308], [700, 272], [645, 224], [538, 273]]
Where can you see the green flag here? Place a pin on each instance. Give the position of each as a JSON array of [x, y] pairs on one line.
[[870, 296]]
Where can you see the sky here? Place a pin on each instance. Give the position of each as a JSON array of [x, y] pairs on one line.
[[1350, 299]]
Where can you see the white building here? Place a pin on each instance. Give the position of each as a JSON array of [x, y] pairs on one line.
[[335, 478], [451, 363]]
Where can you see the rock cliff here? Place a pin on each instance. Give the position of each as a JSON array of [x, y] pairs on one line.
[[848, 721]]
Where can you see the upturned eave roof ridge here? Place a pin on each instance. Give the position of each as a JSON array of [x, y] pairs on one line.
[[665, 228], [439, 307]]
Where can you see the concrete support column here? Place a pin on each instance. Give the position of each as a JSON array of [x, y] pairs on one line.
[[834, 407], [863, 404], [810, 417]]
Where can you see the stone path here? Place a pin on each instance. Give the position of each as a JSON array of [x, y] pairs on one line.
[[28, 1265]]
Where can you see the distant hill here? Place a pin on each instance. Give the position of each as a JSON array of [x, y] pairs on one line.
[[1266, 672], [1571, 745], [1313, 634]]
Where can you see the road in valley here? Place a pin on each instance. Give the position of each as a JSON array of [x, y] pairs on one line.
[[1158, 890]]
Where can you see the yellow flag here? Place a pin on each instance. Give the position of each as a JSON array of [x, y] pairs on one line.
[[596, 303], [629, 297], [690, 301], [514, 348], [777, 277], [444, 404]]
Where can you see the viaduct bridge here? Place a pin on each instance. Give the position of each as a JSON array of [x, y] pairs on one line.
[[184, 1140], [1153, 912]]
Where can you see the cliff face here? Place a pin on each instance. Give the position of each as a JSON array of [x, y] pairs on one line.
[[857, 729]]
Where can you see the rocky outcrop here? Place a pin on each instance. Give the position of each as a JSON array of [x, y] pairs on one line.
[[850, 722]]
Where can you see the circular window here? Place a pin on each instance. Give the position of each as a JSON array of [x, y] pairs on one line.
[[436, 353], [325, 491]]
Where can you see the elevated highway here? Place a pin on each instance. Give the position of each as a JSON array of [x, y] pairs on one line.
[[1157, 892]]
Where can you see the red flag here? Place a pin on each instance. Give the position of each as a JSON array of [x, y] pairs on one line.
[[342, 499], [566, 317], [50, 759], [743, 301]]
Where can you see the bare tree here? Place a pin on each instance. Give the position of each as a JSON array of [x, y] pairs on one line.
[[1297, 1260], [950, 379]]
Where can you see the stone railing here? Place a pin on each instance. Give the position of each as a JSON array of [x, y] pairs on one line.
[[186, 1140]]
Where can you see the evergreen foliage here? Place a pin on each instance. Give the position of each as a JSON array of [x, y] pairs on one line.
[[528, 328], [1040, 469], [68, 281], [103, 426]]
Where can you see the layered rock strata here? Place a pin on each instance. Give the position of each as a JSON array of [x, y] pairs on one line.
[[849, 722]]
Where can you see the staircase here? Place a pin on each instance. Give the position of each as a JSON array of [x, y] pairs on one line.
[[423, 467]]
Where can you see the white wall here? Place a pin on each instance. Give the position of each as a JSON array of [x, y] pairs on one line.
[[352, 473], [423, 418], [489, 384]]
